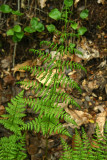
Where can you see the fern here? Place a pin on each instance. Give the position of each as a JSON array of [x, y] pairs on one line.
[[11, 148], [13, 120], [83, 149]]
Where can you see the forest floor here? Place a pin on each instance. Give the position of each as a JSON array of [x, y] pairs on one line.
[[93, 100]]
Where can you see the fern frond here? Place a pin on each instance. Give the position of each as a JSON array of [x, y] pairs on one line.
[[101, 151], [13, 120], [46, 125], [76, 65], [83, 149], [12, 148], [67, 154]]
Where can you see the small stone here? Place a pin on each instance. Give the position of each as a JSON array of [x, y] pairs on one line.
[[46, 50], [100, 98], [84, 82], [84, 94], [87, 98], [83, 100], [90, 104]]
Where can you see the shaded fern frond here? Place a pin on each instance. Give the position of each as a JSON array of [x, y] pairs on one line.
[[12, 148], [83, 149], [47, 108], [100, 152], [13, 119], [46, 125], [67, 154]]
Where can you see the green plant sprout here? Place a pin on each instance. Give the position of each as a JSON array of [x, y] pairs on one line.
[[7, 9], [16, 33]]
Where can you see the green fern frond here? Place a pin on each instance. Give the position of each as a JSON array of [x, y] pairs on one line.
[[101, 141], [13, 120], [12, 148], [83, 149], [46, 125]]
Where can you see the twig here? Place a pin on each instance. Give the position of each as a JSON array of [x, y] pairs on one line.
[[14, 53], [18, 5]]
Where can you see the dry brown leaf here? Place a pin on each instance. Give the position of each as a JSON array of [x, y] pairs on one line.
[[101, 118], [23, 4], [42, 3], [73, 75], [32, 149], [100, 107], [93, 85], [43, 81], [80, 117], [5, 63], [76, 2], [18, 66], [101, 1], [9, 80], [37, 62], [77, 59], [1, 87], [2, 110]]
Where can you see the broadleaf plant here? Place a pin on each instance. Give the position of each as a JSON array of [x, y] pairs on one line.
[[35, 25], [84, 14], [7, 9], [16, 33]]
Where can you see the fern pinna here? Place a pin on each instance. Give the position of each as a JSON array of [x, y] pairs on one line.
[[12, 147]]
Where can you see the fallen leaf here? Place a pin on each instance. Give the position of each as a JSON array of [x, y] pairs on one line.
[[80, 117], [42, 3], [2, 110], [9, 80], [18, 66], [32, 149], [93, 85], [76, 2], [101, 1], [100, 108], [100, 120], [50, 78], [5, 63], [1, 87], [55, 54], [77, 58]]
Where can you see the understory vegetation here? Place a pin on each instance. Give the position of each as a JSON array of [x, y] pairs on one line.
[[51, 78]]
